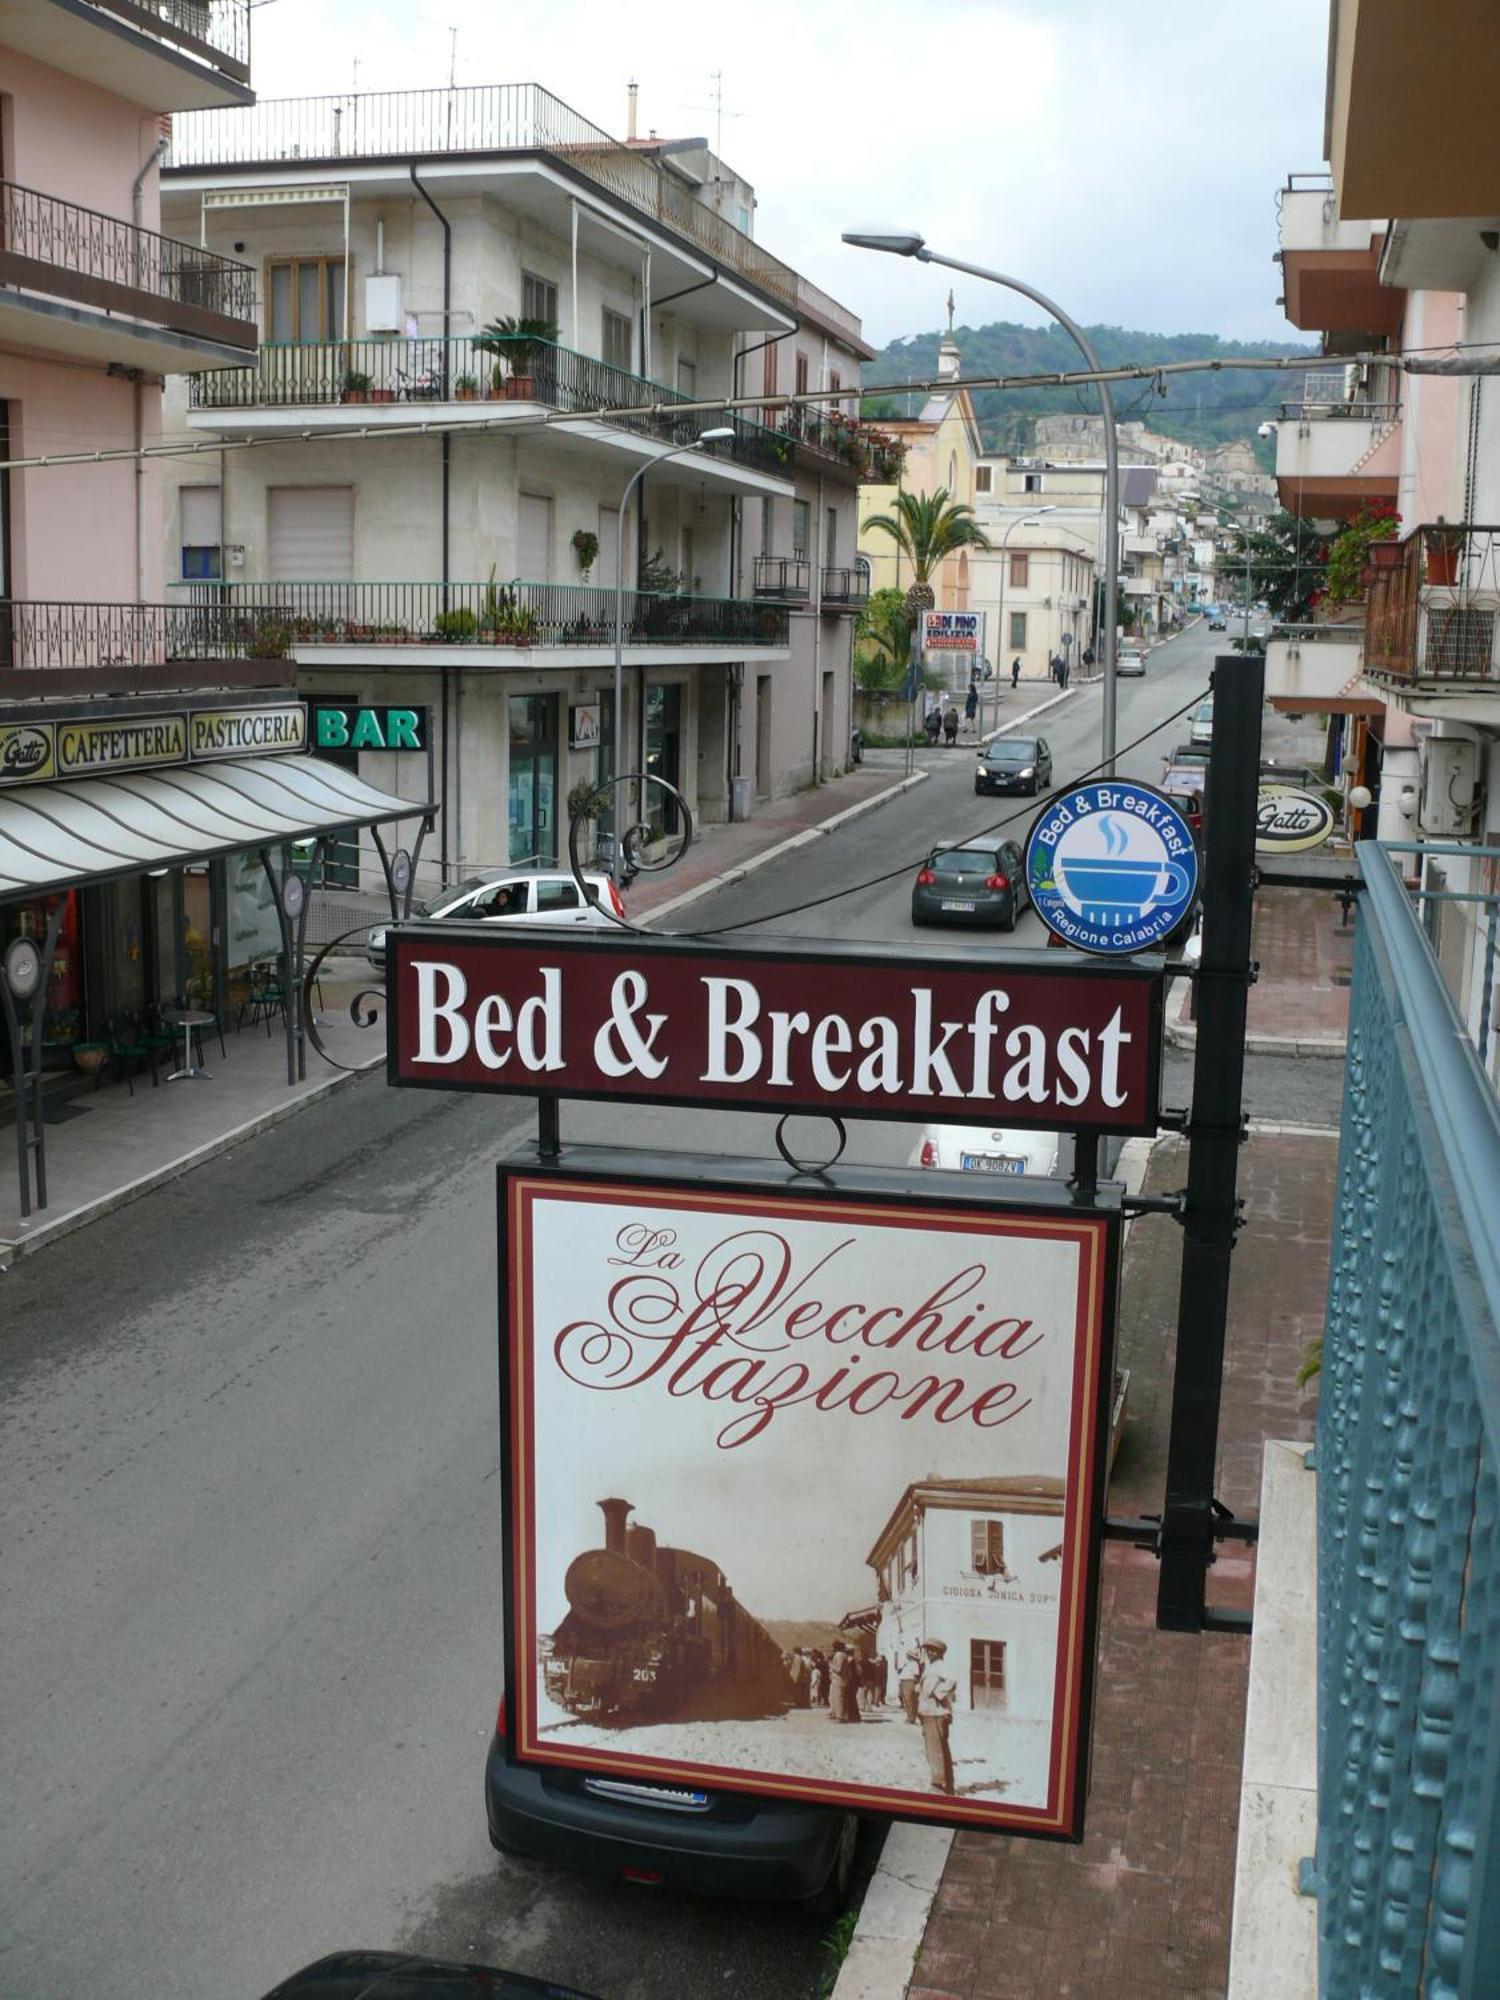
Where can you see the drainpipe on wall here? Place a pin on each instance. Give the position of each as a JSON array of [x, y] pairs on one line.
[[817, 551], [446, 443], [138, 416]]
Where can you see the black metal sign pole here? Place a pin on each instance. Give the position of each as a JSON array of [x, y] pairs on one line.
[[1192, 1518]]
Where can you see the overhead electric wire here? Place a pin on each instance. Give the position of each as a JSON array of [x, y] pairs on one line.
[[1032, 805]]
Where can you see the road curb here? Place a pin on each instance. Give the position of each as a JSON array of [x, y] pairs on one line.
[[729, 876], [1182, 1034], [12, 1249], [1040, 709]]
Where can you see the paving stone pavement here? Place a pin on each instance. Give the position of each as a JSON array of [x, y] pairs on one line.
[[1140, 1910]]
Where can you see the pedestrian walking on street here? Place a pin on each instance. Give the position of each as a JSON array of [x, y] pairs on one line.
[[1055, 668], [1015, 671], [908, 1674], [971, 707], [935, 1694], [932, 722], [1064, 670], [950, 724], [1088, 659]]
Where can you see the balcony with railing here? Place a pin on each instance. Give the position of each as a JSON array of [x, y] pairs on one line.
[[488, 119], [58, 648], [171, 54], [487, 379], [1432, 616], [783, 579], [846, 589], [1314, 669], [870, 456], [304, 619], [1331, 265], [1336, 450], [169, 305]]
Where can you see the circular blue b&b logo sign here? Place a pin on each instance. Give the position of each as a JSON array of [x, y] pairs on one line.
[[1111, 866]]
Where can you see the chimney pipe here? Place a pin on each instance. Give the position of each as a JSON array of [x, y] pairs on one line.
[[632, 94], [614, 1512]]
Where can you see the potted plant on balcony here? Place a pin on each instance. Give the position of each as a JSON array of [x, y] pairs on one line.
[[1444, 546], [356, 386], [586, 548], [520, 343], [466, 388]]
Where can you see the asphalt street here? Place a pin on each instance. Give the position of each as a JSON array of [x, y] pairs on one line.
[[251, 1565]]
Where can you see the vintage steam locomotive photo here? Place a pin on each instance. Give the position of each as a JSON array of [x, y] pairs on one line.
[[653, 1631]]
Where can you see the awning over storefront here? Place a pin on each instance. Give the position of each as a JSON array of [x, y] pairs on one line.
[[55, 835]]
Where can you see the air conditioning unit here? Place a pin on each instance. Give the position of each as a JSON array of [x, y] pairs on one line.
[[1449, 780], [1457, 634]]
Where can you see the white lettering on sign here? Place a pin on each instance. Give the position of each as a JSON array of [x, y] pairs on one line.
[[444, 1035]]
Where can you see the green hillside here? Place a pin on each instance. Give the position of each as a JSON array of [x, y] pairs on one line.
[[1202, 409]]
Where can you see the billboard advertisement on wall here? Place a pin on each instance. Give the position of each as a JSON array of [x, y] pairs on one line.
[[803, 1489]]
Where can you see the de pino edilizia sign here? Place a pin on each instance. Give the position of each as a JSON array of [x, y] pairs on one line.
[[961, 1035]]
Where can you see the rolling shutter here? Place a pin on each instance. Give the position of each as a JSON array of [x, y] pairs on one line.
[[310, 534]]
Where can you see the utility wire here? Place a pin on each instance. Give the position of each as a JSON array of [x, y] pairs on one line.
[[904, 868]]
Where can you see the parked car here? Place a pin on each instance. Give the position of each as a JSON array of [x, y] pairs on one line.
[[395, 1975], [1014, 764], [516, 896], [968, 1149], [1202, 730], [977, 882], [670, 1836], [1130, 661], [1183, 785]]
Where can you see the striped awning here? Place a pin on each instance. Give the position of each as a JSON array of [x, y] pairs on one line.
[[89, 829]]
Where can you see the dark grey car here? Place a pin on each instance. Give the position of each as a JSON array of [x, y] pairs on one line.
[[1014, 764], [981, 882]]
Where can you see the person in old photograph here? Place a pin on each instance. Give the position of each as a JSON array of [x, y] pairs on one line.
[[818, 1683], [908, 1673], [799, 1668], [879, 1669], [843, 1685], [935, 1696]]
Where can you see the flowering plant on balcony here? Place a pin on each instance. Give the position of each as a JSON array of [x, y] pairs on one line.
[[1352, 560]]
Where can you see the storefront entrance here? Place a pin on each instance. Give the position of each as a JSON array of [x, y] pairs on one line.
[[532, 792], [663, 757]]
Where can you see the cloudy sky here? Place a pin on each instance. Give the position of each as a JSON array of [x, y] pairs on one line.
[[1121, 155]]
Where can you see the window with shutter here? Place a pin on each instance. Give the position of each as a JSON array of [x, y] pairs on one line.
[[310, 533]]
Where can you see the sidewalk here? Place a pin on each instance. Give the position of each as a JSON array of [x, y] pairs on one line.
[[1141, 1910], [1299, 1005]]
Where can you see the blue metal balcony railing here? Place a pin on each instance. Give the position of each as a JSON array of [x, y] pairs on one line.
[[1408, 1860]]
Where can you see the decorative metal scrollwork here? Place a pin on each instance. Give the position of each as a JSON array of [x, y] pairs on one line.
[[636, 840], [812, 1168], [366, 1009]]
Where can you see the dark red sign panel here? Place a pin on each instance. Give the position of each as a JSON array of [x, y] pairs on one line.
[[1023, 1040]]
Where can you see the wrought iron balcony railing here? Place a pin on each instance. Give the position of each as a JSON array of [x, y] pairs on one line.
[[478, 368], [786, 579], [215, 31], [846, 589], [873, 457], [485, 119], [292, 616], [55, 647], [1433, 603], [65, 251]]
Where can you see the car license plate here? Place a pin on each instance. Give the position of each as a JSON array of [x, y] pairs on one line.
[[668, 1797], [958, 906], [992, 1163]]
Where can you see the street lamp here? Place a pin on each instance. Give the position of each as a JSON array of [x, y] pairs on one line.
[[910, 243], [1031, 520], [715, 436]]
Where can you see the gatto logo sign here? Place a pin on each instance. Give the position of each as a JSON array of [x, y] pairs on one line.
[[26, 751]]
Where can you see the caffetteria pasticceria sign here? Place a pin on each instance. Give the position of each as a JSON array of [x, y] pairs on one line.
[[86, 745], [1027, 1041]]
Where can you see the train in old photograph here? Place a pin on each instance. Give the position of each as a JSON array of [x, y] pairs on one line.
[[653, 1631]]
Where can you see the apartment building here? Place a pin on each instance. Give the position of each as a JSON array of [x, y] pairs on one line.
[[1389, 253], [492, 338]]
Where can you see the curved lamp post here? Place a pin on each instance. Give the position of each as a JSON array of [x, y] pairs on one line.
[[715, 436], [910, 243]]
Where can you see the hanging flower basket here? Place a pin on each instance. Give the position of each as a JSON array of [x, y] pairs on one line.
[[1384, 555]]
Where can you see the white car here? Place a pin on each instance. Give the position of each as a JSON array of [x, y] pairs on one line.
[[1130, 661], [516, 896], [970, 1149], [1202, 730]]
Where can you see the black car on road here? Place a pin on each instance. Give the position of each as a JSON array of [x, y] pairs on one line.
[[977, 882], [1014, 764]]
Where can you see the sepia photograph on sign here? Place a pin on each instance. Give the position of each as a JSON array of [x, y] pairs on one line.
[[802, 1493]]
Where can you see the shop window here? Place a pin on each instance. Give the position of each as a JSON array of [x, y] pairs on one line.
[[987, 1547], [532, 784], [986, 1673]]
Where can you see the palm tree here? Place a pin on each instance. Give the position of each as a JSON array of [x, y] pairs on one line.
[[926, 527]]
